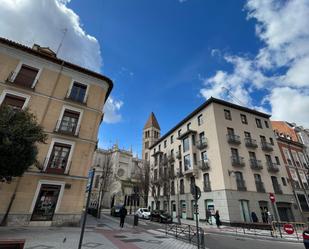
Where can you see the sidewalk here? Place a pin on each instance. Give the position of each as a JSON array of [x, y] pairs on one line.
[[102, 234]]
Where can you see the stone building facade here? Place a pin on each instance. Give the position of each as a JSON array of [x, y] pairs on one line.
[[230, 153], [67, 101]]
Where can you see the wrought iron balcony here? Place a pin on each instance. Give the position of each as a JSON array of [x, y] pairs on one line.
[[207, 187], [237, 161], [260, 187], [277, 188], [202, 143], [233, 139], [267, 146], [272, 167], [241, 185], [250, 143], [203, 164], [255, 164]]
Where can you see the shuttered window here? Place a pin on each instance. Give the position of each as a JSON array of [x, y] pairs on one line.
[[14, 101], [26, 76]]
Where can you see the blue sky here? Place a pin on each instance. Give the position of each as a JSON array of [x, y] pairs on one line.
[[168, 56]]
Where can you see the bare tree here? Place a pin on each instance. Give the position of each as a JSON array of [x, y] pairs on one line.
[[143, 183], [105, 179]]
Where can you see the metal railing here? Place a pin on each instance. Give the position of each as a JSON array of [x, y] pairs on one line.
[[266, 146], [241, 185], [251, 143], [237, 161], [277, 188], [256, 164], [202, 143], [203, 164], [233, 139], [272, 167], [188, 233], [260, 187]]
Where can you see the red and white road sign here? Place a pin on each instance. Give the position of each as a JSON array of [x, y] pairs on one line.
[[272, 197], [288, 228]]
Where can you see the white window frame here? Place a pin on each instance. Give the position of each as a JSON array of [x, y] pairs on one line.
[[83, 83], [17, 69], [25, 96], [37, 191], [71, 108], [62, 141]]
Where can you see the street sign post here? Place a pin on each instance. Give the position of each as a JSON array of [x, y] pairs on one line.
[[272, 197], [273, 203], [196, 192]]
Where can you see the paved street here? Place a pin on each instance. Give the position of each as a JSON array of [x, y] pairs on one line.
[[106, 234]]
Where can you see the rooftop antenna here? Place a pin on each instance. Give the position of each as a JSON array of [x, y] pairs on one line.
[[64, 31], [233, 96]]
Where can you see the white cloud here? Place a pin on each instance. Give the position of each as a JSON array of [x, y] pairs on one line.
[[280, 66], [111, 111], [43, 22]]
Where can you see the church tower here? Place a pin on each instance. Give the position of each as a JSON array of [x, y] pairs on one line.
[[151, 134]]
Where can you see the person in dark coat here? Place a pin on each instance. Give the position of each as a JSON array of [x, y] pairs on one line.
[[208, 217], [123, 214], [217, 217], [254, 217]]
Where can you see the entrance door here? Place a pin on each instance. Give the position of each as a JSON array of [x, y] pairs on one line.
[[209, 204], [46, 203], [285, 212], [264, 209], [173, 209], [183, 209]]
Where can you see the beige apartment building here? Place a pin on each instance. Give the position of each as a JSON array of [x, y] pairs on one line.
[[117, 176], [68, 101], [230, 153]]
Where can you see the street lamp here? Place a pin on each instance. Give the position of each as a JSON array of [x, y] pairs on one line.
[[178, 202]]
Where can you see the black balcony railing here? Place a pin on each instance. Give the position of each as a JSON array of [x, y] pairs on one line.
[[207, 187], [202, 143], [203, 164], [233, 139], [67, 128], [255, 164], [237, 161], [260, 187], [241, 185], [277, 188], [250, 143], [266, 146], [272, 167]]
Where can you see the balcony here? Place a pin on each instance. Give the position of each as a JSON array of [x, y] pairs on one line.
[[250, 143], [67, 128], [266, 146], [171, 158], [203, 164], [237, 161], [202, 143], [256, 164], [178, 155], [233, 139], [241, 185], [207, 187], [272, 167], [21, 79], [260, 187], [277, 188]]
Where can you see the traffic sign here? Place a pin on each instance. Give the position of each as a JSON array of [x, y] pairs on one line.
[[272, 197], [288, 228]]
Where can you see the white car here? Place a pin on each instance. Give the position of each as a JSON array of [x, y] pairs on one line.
[[143, 213]]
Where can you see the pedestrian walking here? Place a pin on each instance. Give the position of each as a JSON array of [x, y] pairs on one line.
[[208, 217], [217, 217], [254, 217], [123, 214]]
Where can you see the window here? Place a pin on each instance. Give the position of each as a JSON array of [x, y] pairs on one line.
[[78, 92], [240, 181], [268, 159], [243, 118], [194, 159], [303, 202], [26, 76], [263, 139], [155, 175], [234, 153], [172, 139], [283, 181], [179, 133], [97, 180], [230, 131], [69, 122], [227, 114], [271, 141], [266, 124], [159, 147], [247, 134], [165, 144], [147, 144], [172, 152], [172, 188], [14, 101], [258, 123], [187, 162], [252, 155], [188, 126], [186, 144], [146, 156], [58, 160], [206, 179], [204, 156], [257, 178], [193, 139], [200, 120], [277, 160], [180, 167], [182, 186]]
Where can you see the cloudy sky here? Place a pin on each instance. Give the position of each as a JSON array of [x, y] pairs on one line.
[[168, 56]]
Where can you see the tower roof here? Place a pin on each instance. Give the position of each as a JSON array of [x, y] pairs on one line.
[[152, 122]]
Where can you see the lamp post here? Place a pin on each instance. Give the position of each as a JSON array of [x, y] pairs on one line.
[[178, 202]]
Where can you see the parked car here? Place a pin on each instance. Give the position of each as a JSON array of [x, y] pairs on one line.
[[143, 213], [115, 210], [161, 216]]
